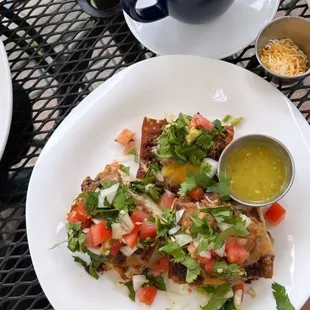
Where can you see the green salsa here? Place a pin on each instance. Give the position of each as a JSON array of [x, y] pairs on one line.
[[258, 172]]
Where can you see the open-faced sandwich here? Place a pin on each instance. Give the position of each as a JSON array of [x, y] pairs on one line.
[[174, 219]]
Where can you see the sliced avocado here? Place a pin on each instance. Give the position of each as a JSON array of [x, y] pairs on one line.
[[192, 135]]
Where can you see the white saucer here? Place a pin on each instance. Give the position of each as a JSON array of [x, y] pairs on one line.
[[221, 38]]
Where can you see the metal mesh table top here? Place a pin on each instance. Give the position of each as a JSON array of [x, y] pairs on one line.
[[58, 54]]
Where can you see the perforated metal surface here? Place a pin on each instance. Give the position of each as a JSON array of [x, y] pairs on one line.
[[58, 54]]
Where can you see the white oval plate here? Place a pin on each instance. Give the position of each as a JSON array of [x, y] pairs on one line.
[[223, 37], [6, 102], [84, 143]]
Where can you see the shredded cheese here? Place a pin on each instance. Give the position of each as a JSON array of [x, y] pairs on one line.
[[284, 57]]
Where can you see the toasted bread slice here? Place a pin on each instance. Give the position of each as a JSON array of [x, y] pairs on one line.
[[152, 129]]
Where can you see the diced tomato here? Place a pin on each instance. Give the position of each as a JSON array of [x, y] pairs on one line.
[[115, 247], [100, 233], [132, 238], [138, 216], [198, 120], [89, 241], [209, 264], [148, 230], [275, 214], [125, 137], [196, 193], [147, 294], [129, 146], [160, 265], [77, 213], [167, 200], [236, 253]]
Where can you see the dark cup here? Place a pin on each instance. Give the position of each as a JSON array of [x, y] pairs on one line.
[[186, 11]]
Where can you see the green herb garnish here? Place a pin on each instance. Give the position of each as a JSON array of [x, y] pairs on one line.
[[125, 169], [132, 293], [134, 152], [281, 297], [218, 297]]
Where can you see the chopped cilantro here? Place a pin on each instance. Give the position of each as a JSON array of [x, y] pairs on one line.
[[125, 169], [76, 237], [157, 281], [193, 268], [123, 200], [223, 270], [91, 202], [134, 152], [229, 305], [106, 184], [81, 196], [174, 250], [218, 297], [204, 141], [95, 263], [132, 293], [281, 297], [80, 261], [206, 168], [221, 214], [237, 230], [218, 127], [223, 187], [174, 142], [187, 185]]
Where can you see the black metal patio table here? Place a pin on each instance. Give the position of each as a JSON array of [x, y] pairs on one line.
[[58, 54]]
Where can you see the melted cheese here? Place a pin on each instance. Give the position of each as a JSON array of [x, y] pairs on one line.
[[284, 57], [176, 173]]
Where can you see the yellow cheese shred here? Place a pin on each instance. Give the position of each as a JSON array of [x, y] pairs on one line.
[[284, 57]]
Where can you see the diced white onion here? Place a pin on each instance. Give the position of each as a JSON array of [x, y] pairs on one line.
[[85, 230], [183, 239], [214, 165], [206, 254], [108, 193], [159, 177], [126, 222], [229, 294], [173, 230], [148, 186], [128, 251], [220, 252], [178, 215], [117, 231], [238, 297], [138, 281], [247, 220], [223, 226]]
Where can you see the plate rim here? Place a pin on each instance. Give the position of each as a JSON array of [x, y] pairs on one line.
[[9, 100], [130, 22], [82, 107]]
